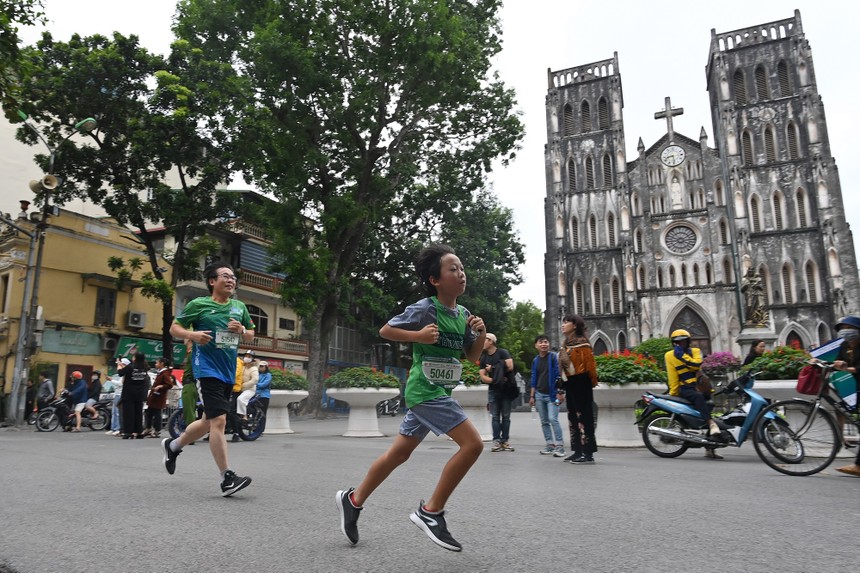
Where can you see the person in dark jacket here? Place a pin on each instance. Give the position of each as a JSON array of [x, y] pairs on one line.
[[157, 399], [134, 390], [95, 391], [756, 350], [77, 396]]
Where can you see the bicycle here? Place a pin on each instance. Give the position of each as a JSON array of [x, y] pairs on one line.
[[248, 429], [809, 439]]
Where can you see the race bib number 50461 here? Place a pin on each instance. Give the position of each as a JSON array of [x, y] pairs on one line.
[[443, 371]]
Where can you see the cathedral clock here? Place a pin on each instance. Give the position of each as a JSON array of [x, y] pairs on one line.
[[680, 239], [673, 155]]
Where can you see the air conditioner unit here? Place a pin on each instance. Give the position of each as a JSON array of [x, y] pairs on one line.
[[109, 344], [136, 319]]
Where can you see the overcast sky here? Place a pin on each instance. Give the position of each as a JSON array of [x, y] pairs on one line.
[[662, 51]]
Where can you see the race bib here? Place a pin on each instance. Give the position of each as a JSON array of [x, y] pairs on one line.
[[227, 339], [442, 371]]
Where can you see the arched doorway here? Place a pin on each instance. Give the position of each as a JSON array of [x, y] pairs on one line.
[[794, 340], [689, 320], [600, 347]]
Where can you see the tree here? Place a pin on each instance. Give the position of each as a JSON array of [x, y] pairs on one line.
[[12, 14], [359, 112], [154, 115], [524, 323]]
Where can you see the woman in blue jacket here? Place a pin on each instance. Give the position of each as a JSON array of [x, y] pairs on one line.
[[264, 388]]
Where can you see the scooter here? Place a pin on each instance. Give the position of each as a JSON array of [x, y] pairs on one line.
[[670, 424], [60, 412]]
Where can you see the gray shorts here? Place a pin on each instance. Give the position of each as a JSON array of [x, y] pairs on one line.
[[440, 415]]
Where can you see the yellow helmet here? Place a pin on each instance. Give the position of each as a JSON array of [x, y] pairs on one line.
[[679, 335]]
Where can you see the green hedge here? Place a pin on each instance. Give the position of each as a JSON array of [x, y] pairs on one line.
[[362, 377], [287, 380]]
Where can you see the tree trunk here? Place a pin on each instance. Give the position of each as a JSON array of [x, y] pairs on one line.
[[322, 323]]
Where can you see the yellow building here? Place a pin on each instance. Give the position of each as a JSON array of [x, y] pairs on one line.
[[83, 315]]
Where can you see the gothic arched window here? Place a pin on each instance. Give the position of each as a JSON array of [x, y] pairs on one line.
[[777, 211], [592, 231], [755, 214], [574, 233], [811, 290], [578, 303], [596, 299], [740, 88], [761, 83], [585, 116], [787, 285], [589, 173], [616, 296], [769, 144], [782, 75], [746, 142], [610, 230], [607, 171], [800, 205], [793, 149], [571, 175], [569, 128], [603, 113]]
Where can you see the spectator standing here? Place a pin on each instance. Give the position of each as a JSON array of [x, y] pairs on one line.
[[116, 411], [135, 387], [547, 397], [232, 422], [576, 360], [496, 366], [264, 388], [848, 329], [219, 324], [156, 402]]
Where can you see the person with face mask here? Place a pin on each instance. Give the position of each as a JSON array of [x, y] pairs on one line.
[[95, 390], [848, 329], [250, 375]]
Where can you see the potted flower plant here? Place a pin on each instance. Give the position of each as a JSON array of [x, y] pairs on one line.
[[472, 396]]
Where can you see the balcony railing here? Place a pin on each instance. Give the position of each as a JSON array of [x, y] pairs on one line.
[[256, 231], [281, 345], [259, 280]]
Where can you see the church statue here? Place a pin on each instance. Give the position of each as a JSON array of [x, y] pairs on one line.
[[753, 289]]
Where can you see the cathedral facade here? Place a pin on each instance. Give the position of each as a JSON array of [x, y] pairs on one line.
[[746, 239]]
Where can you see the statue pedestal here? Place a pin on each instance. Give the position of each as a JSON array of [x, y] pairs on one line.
[[750, 333]]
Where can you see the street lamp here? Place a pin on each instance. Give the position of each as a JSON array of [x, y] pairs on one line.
[[49, 182]]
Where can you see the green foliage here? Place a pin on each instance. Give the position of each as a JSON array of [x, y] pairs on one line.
[[151, 287], [362, 377], [471, 373], [781, 363], [656, 348], [628, 368], [14, 13], [366, 119], [288, 380], [524, 323]]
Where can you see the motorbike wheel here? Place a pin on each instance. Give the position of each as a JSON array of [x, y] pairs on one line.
[[47, 420], [176, 424], [802, 440], [251, 429], [663, 446], [102, 421]]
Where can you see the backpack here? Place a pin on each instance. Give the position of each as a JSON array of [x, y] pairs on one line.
[[809, 380]]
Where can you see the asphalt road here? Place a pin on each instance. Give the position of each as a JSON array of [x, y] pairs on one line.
[[92, 503]]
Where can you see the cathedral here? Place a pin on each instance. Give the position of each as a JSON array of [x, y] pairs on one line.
[[740, 241]]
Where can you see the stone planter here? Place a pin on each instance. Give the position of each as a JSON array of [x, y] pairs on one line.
[[616, 423], [473, 399], [362, 422], [278, 415], [616, 426]]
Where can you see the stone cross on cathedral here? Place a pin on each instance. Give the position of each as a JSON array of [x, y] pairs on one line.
[[668, 113]]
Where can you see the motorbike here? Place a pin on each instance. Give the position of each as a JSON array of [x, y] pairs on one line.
[[670, 424], [388, 407], [60, 411]]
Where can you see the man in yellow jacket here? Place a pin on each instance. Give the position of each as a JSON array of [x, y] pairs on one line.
[[682, 364]]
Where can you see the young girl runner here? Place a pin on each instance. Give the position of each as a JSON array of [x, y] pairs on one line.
[[440, 331]]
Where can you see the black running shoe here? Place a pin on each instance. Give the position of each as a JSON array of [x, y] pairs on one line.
[[169, 455], [433, 524], [348, 515], [233, 483]]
